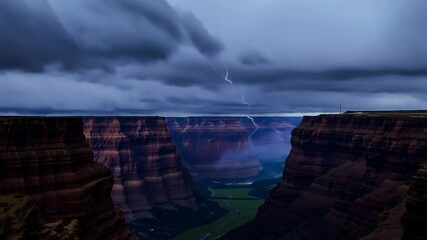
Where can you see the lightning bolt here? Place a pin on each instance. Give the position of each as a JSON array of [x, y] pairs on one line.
[[249, 117], [243, 102], [279, 134], [226, 75], [254, 123]]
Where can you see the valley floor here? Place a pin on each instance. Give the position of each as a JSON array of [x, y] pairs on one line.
[[241, 207]]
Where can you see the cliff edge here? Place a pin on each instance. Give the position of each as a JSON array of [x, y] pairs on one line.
[[345, 176], [49, 182]]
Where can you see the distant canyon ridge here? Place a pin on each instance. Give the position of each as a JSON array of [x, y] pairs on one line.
[[231, 147]]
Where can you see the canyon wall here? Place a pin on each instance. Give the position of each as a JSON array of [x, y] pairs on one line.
[[50, 187], [414, 220], [146, 167], [230, 147], [345, 174]]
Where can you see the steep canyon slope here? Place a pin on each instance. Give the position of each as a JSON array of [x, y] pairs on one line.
[[146, 167], [345, 176], [50, 187]]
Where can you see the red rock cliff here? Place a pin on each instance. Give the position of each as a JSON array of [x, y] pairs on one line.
[[343, 173], [49, 160], [145, 165]]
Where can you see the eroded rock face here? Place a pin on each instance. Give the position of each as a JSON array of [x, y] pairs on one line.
[[146, 167], [48, 160], [408, 220], [19, 219], [215, 147], [414, 220], [343, 173]]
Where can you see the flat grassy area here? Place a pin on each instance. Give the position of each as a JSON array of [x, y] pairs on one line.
[[233, 192], [240, 211]]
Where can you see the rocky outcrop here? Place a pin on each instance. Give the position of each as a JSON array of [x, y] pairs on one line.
[[20, 219], [146, 167], [408, 220], [343, 174], [48, 160]]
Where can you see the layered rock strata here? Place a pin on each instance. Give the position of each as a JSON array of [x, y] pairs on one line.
[[147, 170], [48, 160], [343, 174]]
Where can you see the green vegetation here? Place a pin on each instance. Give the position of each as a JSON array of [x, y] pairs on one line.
[[241, 207], [233, 192]]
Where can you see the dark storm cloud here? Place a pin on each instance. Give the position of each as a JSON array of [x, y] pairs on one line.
[[211, 102], [210, 76], [29, 39], [184, 74], [151, 57], [95, 33], [253, 58], [55, 112], [200, 37], [284, 79]]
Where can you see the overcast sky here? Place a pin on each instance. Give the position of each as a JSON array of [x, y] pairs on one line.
[[158, 57]]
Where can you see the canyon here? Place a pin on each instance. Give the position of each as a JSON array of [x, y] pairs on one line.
[[358, 175], [348, 176], [157, 164], [230, 147], [50, 187], [151, 186]]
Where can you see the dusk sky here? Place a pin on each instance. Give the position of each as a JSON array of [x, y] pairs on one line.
[[158, 57]]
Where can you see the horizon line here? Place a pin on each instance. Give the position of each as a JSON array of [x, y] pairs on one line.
[[296, 114]]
